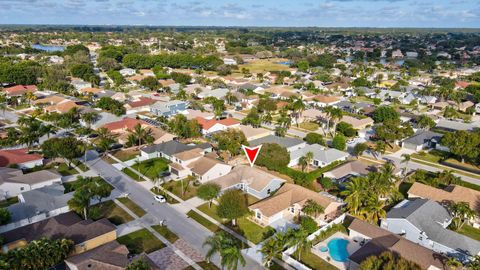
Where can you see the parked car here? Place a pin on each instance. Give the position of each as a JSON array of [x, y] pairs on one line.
[[160, 198]]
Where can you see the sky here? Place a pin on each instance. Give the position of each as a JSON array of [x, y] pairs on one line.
[[294, 13]]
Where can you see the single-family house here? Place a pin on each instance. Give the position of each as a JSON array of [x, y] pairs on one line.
[[14, 181], [169, 108], [422, 139], [322, 156], [258, 183], [86, 234], [213, 125], [169, 149], [19, 90], [252, 133], [374, 240], [426, 222], [127, 123], [291, 144], [451, 125], [192, 114], [324, 101], [349, 169], [218, 93], [288, 203], [207, 168], [452, 193], [79, 84], [127, 72], [20, 158], [357, 123], [142, 104]]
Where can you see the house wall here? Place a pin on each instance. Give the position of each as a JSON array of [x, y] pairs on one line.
[[30, 164], [266, 191], [95, 242], [412, 146], [8, 189], [215, 172]]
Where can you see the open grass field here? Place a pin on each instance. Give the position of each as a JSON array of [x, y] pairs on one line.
[[265, 65]]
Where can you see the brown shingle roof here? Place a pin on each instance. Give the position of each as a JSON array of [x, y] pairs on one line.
[[255, 178], [110, 256], [203, 165], [288, 195], [189, 154]]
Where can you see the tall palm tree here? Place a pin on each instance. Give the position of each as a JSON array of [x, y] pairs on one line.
[[80, 202], [354, 194], [312, 208], [48, 130], [380, 148], [3, 108], [335, 115], [142, 134], [298, 106], [89, 118], [299, 238], [228, 248], [374, 210], [271, 249], [231, 256], [406, 159], [462, 213]]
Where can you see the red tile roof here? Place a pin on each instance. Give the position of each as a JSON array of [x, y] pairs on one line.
[[16, 156], [126, 123], [462, 84], [207, 124], [143, 101], [20, 89]]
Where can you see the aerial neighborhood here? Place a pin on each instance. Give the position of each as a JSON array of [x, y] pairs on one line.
[[121, 148]]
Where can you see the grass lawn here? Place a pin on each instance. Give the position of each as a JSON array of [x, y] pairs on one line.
[[251, 200], [264, 65], [466, 166], [470, 231], [203, 221], [132, 175], [404, 187], [170, 200], [72, 185], [141, 241], [125, 155], [313, 261], [8, 202], [111, 211], [308, 126], [80, 165], [64, 170], [176, 188], [245, 227], [427, 157], [204, 265], [137, 210], [165, 232], [151, 168]]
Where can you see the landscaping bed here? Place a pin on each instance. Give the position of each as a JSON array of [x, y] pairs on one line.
[[141, 241], [137, 210], [111, 211], [72, 185]]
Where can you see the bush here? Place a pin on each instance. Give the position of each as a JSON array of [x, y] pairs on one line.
[[346, 129], [339, 142], [314, 138], [308, 224], [273, 156]]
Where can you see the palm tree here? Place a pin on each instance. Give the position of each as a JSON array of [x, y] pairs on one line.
[[462, 213], [374, 210], [3, 107], [48, 130], [227, 247], [335, 115], [80, 202], [299, 238], [406, 159], [327, 110], [453, 263], [298, 107], [312, 208], [380, 148], [447, 178], [230, 98], [142, 134], [89, 118], [354, 193], [270, 250]]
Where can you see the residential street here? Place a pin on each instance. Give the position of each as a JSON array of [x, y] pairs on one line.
[[188, 229]]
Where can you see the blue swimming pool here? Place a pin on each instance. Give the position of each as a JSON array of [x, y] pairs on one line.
[[337, 248]]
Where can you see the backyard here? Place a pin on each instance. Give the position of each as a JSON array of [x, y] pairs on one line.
[[141, 241], [313, 261], [111, 211], [245, 227]]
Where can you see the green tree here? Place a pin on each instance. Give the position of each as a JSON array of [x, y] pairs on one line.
[[227, 247], [208, 192], [462, 213], [139, 264], [314, 138], [387, 260], [308, 224], [86, 189], [463, 144], [383, 113], [359, 148], [346, 129], [150, 83], [273, 156], [232, 205], [5, 216], [339, 142], [185, 128], [231, 140], [90, 118], [312, 208], [142, 134], [425, 122]]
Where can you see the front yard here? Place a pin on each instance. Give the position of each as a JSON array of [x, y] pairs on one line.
[[165, 232], [152, 168], [111, 211], [137, 210], [133, 175], [141, 241], [245, 227], [127, 154], [308, 126], [203, 221], [176, 188]]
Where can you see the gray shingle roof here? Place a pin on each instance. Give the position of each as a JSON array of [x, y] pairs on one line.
[[173, 147], [326, 155], [282, 141], [423, 136]]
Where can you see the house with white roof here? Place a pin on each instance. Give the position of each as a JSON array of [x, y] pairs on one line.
[[322, 156]]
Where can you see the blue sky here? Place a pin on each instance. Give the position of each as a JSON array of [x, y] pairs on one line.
[[326, 13]]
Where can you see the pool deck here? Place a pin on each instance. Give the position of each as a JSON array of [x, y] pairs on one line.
[[351, 248]]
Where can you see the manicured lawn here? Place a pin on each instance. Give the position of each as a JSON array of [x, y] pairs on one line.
[[8, 202], [165, 232], [170, 200], [203, 221], [309, 126], [141, 241], [137, 210], [427, 157], [152, 168], [132, 175], [313, 261], [470, 231], [404, 187], [464, 165], [125, 155], [176, 188], [80, 165], [244, 226], [73, 185], [111, 211]]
